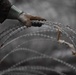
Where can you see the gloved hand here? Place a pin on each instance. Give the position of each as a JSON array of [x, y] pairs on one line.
[[26, 19]]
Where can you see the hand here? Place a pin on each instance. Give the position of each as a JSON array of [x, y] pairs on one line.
[[26, 19]]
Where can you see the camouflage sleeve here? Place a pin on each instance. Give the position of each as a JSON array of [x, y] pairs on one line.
[[5, 6]]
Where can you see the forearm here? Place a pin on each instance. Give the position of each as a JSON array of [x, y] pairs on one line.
[[8, 11], [14, 12]]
